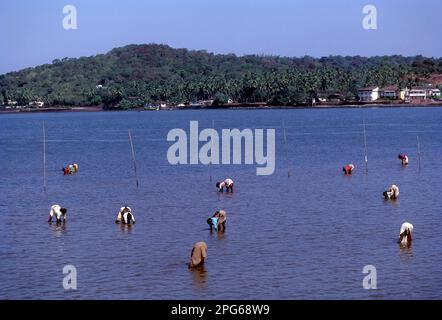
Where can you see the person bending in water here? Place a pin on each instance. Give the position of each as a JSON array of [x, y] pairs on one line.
[[228, 184], [406, 234], [58, 212], [222, 219], [404, 159], [125, 216], [198, 254], [218, 221], [348, 169], [70, 169], [391, 193]]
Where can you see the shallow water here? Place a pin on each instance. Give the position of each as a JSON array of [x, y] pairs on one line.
[[304, 237]]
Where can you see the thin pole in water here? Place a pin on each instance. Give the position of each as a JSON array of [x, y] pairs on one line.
[[286, 151], [44, 157], [365, 148], [419, 153], [133, 157], [211, 153]]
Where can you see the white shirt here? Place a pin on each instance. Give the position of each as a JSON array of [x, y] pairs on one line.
[[122, 208], [55, 210], [395, 189]]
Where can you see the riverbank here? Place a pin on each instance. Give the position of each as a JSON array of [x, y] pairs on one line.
[[53, 109], [251, 106]]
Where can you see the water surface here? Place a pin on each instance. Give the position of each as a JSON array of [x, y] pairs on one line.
[[304, 237]]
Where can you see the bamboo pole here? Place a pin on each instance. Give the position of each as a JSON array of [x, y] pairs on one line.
[[211, 153], [44, 157], [133, 158], [419, 153], [286, 153], [365, 148]]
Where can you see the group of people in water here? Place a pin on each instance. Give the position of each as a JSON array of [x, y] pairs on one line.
[[392, 193], [125, 216], [349, 168], [218, 221]]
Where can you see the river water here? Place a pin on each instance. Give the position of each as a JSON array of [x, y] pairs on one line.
[[304, 237]]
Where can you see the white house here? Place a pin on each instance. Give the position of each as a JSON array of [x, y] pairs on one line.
[[435, 92], [369, 94], [418, 94], [38, 104]]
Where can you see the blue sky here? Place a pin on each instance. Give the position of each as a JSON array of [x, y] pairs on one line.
[[32, 32]]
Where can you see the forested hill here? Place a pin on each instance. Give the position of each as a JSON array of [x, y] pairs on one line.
[[136, 74]]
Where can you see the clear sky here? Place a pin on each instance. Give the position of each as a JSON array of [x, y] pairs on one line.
[[32, 32]]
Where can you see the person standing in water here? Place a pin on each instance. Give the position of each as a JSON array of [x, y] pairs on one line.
[[58, 212], [348, 169], [227, 183], [406, 234], [70, 169], [404, 159], [198, 255], [125, 216], [391, 193]]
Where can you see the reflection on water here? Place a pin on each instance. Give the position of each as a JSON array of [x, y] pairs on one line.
[[199, 276], [125, 228], [406, 251], [220, 234], [58, 229]]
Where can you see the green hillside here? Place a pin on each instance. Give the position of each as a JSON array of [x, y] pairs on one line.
[[136, 74]]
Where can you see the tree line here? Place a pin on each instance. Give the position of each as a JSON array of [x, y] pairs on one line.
[[134, 75]]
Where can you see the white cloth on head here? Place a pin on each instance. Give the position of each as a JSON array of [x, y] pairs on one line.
[[406, 226], [122, 209]]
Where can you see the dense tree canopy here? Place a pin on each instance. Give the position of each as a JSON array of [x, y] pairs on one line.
[[133, 75]]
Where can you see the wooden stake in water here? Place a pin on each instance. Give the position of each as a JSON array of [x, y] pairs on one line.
[[418, 153], [133, 157], [286, 151], [44, 157], [365, 149], [211, 153]]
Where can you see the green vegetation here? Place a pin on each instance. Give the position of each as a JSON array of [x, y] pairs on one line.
[[134, 75]]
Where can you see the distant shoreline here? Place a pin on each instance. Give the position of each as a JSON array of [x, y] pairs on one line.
[[256, 106]]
